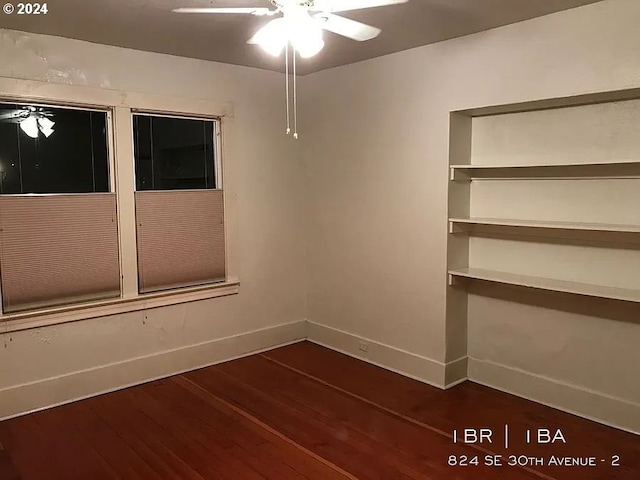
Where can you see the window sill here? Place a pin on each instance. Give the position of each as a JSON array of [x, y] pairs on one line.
[[13, 322]]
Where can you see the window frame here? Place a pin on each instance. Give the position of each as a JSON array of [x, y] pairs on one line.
[[218, 177], [121, 106]]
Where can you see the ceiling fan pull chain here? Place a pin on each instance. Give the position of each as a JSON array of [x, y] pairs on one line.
[[286, 83], [295, 97]]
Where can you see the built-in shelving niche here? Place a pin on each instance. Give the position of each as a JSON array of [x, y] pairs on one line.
[[545, 196], [570, 172]]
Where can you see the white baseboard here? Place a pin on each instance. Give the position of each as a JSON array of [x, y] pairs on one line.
[[456, 372], [574, 399], [29, 397], [391, 358], [49, 392]]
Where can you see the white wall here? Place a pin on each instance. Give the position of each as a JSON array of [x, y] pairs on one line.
[[377, 136], [269, 226]]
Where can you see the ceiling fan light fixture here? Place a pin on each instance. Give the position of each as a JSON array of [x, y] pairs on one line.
[[46, 131], [308, 45], [45, 123], [300, 29], [304, 32], [272, 37], [30, 126]]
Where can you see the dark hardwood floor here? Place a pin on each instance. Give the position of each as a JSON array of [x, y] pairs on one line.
[[301, 412]]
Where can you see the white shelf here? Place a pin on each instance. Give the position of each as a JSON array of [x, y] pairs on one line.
[[587, 227], [619, 169], [549, 284]]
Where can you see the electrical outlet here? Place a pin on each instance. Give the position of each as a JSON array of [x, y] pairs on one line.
[[363, 346]]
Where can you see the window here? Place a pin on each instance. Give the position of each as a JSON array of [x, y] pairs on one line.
[[179, 202], [174, 153], [58, 229], [52, 150], [100, 205]]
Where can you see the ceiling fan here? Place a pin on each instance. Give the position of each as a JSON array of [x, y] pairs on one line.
[[302, 22], [299, 26], [32, 120]]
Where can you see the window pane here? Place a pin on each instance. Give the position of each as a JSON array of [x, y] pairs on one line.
[[52, 150], [173, 153]]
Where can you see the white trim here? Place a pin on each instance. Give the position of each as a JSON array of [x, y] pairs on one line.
[[111, 151], [455, 383], [30, 397], [457, 360], [412, 365], [542, 224], [217, 159], [21, 101], [571, 398], [456, 372], [548, 284], [227, 145], [175, 115], [180, 106], [33, 91], [125, 187], [69, 313]]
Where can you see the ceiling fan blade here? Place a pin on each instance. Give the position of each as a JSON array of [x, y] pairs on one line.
[[347, 27], [14, 114], [346, 5], [252, 10]]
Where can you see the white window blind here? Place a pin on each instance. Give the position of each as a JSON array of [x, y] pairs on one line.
[[180, 237], [58, 249]]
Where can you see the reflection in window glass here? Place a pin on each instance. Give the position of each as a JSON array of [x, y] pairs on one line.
[[52, 150], [173, 153]]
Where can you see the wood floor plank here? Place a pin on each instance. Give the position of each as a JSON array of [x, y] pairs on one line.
[[25, 445], [290, 423], [248, 444], [107, 442], [204, 461], [368, 428], [300, 412], [402, 444], [153, 444], [471, 405], [8, 471], [71, 448], [339, 444], [234, 455], [313, 466]]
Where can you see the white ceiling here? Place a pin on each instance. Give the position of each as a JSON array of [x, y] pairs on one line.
[[150, 25]]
